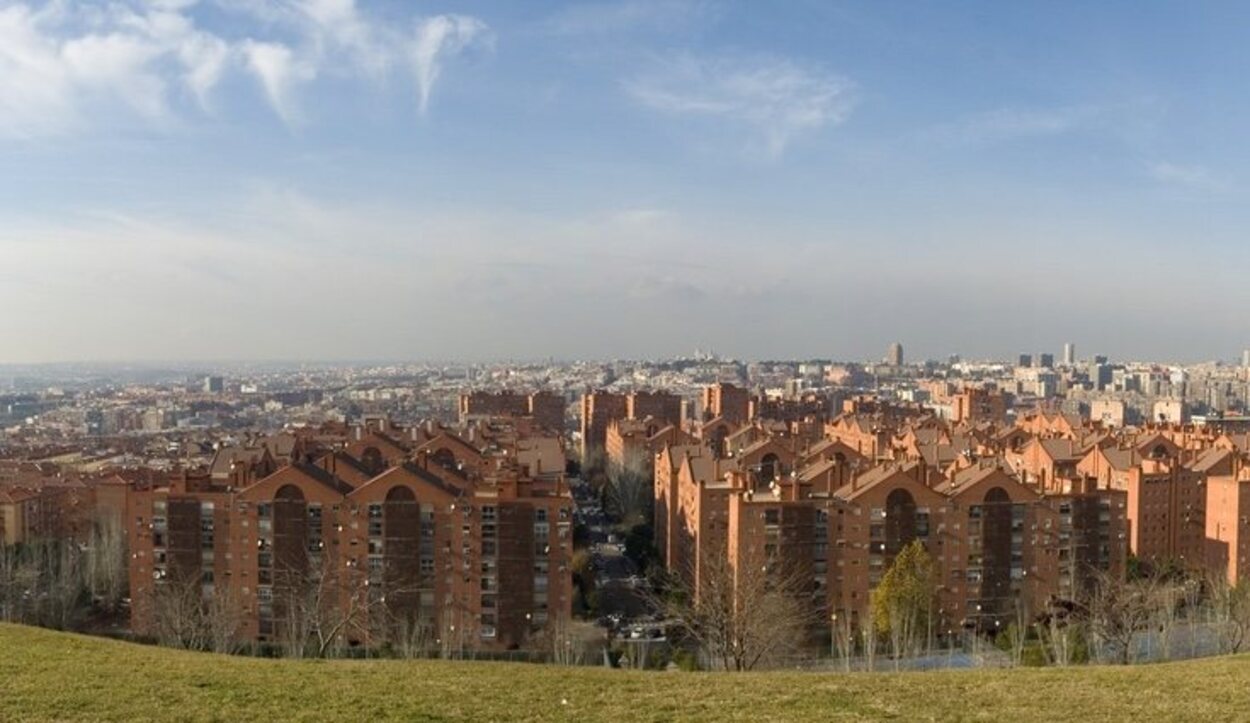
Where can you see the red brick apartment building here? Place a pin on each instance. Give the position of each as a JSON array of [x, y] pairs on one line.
[[545, 408], [599, 409], [839, 510], [469, 546]]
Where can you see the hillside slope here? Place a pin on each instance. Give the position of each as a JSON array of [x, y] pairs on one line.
[[56, 676]]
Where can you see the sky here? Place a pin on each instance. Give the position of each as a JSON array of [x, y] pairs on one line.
[[410, 179]]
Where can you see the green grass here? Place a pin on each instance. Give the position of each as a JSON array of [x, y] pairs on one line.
[[55, 676]]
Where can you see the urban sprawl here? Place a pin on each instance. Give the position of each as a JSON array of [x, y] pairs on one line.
[[536, 508]]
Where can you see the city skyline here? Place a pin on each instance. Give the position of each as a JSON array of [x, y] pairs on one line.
[[1009, 358], [479, 180]]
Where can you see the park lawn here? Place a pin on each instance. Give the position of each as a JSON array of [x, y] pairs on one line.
[[57, 676]]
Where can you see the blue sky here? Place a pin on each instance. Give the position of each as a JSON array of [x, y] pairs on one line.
[[230, 179]]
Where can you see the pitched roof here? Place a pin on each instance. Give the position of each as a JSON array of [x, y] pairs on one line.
[[1212, 459], [1061, 449], [876, 476]]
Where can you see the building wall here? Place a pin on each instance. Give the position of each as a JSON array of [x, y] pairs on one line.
[[662, 406], [598, 409], [486, 568], [727, 401]]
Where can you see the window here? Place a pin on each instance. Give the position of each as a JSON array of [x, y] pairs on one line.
[[375, 520], [206, 526]]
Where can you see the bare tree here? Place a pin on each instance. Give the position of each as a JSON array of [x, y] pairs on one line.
[[842, 643], [177, 613], [330, 602], [1229, 608], [868, 635], [105, 564], [1061, 630], [630, 491], [558, 641], [756, 612], [1165, 604], [1016, 635], [223, 620], [1118, 611], [408, 635], [315, 604], [43, 583], [18, 581], [456, 629]]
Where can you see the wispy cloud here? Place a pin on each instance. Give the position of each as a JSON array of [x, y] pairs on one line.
[[65, 67], [1005, 124], [1198, 178], [439, 38], [776, 99], [278, 71]]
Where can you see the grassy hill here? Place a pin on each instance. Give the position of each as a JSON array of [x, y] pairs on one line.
[[56, 676]]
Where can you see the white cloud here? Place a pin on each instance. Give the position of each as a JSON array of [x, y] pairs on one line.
[[117, 64], [436, 39], [204, 58], [35, 87], [71, 66], [1198, 178], [339, 23], [778, 99], [278, 71], [1005, 124]]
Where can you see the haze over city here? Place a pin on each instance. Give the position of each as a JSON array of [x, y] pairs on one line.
[[412, 180]]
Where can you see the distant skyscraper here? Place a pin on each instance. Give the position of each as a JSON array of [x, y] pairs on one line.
[[894, 355], [1245, 358], [1025, 360], [1102, 375], [214, 385], [1046, 361], [1069, 354], [1100, 358]]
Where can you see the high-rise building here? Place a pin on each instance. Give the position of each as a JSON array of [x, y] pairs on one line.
[[728, 401], [1245, 358], [403, 532], [894, 355], [1046, 361], [1025, 360], [663, 406], [1069, 354], [214, 385], [546, 408], [599, 408]]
